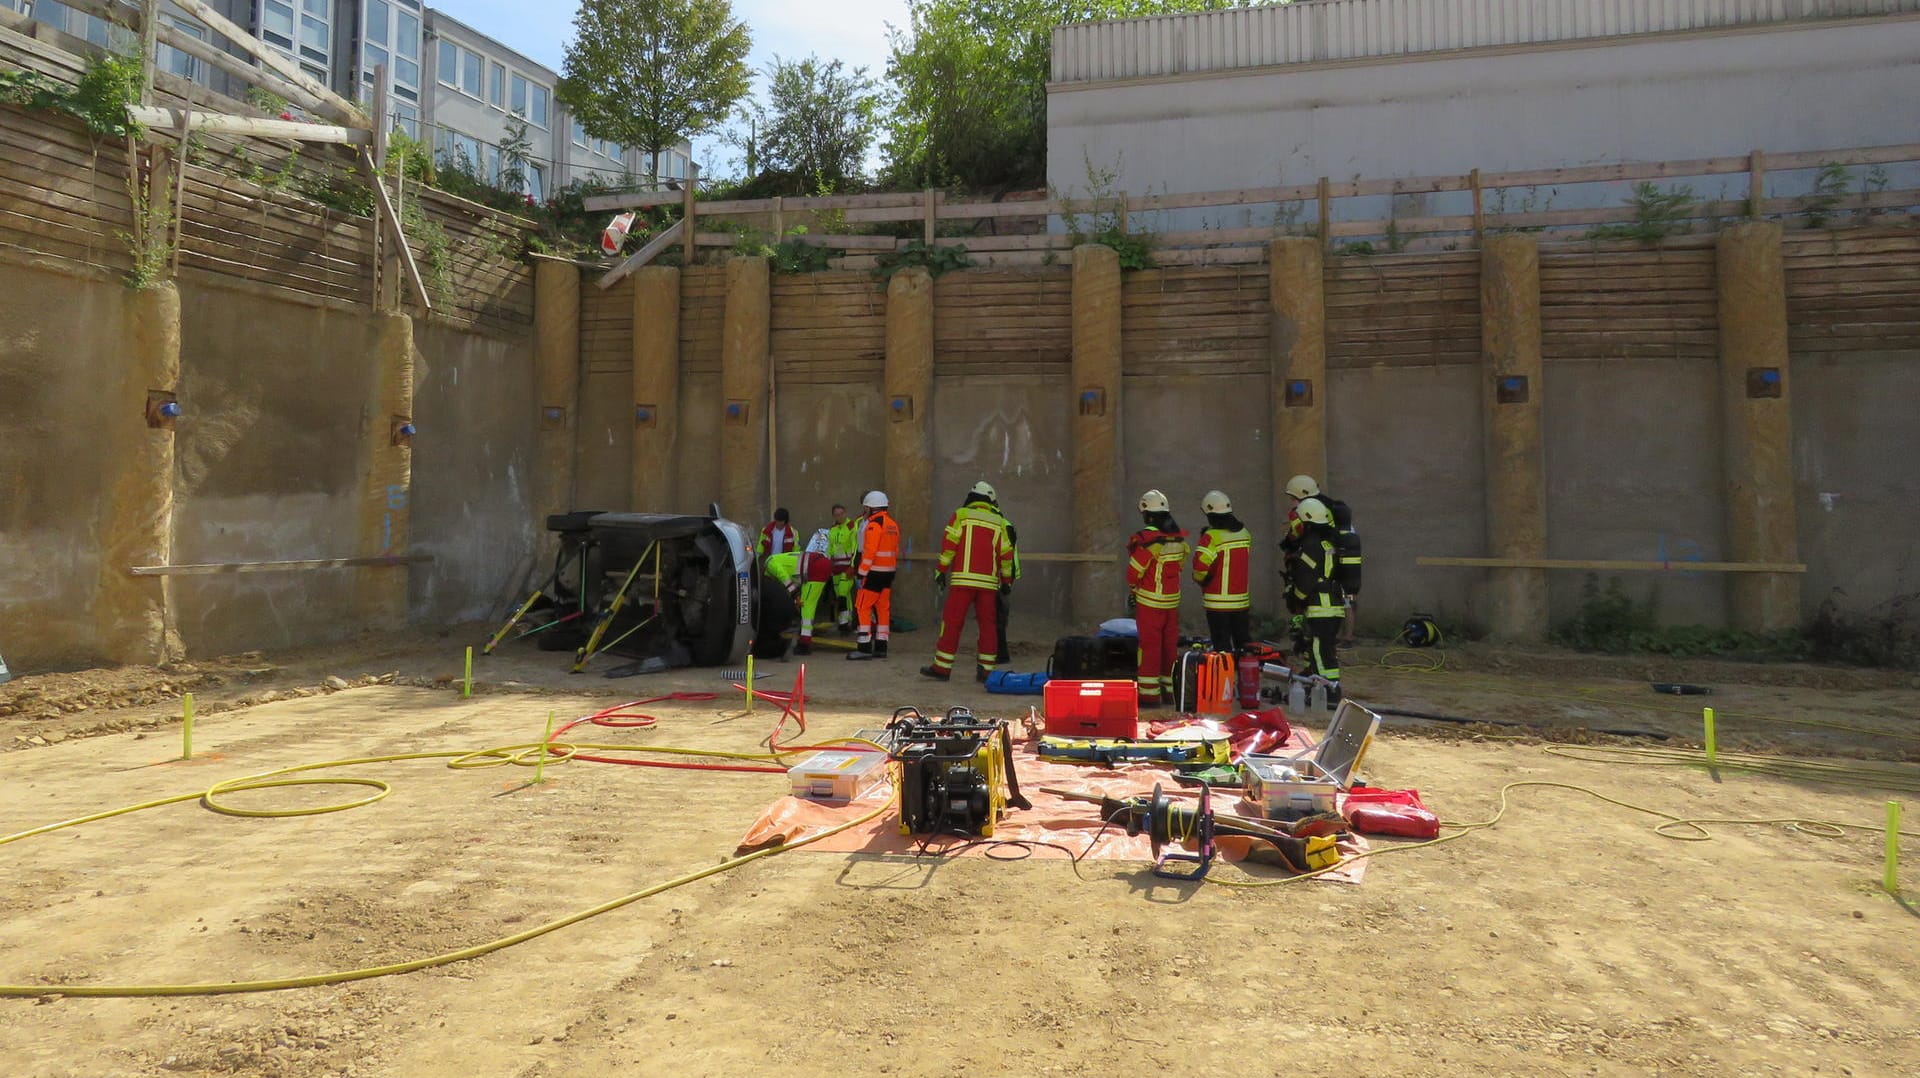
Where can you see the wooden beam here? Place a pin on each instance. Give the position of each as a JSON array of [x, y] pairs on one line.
[[690, 233], [1613, 566], [847, 243], [223, 567], [931, 206], [215, 123], [180, 184], [643, 256], [149, 23], [1325, 198], [1479, 210], [382, 102], [398, 232], [1756, 182], [285, 67]]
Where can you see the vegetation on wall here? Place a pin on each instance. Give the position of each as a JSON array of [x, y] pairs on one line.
[[1657, 214]]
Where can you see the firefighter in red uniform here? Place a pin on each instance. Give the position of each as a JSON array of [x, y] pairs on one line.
[[879, 561], [976, 561], [1155, 556], [1222, 566]]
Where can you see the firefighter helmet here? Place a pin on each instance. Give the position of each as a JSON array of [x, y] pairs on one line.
[[1302, 486], [1315, 511], [985, 490], [875, 499], [1216, 503], [1153, 502]]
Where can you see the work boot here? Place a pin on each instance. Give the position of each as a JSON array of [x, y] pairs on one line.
[[804, 647], [980, 674], [1333, 696], [846, 628], [936, 673], [862, 650], [879, 649]]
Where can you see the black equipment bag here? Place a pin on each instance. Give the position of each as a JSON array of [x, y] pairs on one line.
[[1090, 658]]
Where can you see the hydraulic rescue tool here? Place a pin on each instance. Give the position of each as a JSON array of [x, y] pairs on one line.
[[1166, 822], [956, 772]]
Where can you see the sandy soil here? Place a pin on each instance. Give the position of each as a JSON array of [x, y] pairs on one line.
[[1570, 940]]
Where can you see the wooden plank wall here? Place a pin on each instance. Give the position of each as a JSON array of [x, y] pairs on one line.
[[606, 328], [1196, 320], [63, 193], [1853, 291], [829, 327], [1403, 310], [703, 306], [1628, 304], [1003, 321], [491, 287], [274, 238]]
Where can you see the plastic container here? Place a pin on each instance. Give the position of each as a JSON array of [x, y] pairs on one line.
[[1249, 682], [1092, 708], [835, 775]]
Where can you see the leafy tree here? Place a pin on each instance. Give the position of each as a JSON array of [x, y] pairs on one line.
[[970, 86], [819, 120], [648, 73]]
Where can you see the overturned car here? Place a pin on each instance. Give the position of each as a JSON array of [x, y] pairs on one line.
[[664, 589]]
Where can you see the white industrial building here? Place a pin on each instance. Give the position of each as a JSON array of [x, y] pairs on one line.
[[1383, 89]]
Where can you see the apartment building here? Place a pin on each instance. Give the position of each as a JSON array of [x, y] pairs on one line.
[[453, 87]]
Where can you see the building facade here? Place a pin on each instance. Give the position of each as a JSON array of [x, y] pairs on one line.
[[458, 90], [1383, 89]]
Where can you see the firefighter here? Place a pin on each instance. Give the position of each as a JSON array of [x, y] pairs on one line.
[[1302, 488], [976, 564], [1222, 567], [843, 546], [1003, 608], [879, 561], [777, 537], [1314, 584], [1155, 556]]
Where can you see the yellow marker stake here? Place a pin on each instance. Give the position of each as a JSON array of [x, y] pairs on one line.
[[1892, 882], [540, 765], [1713, 746], [186, 726], [466, 685], [749, 682]]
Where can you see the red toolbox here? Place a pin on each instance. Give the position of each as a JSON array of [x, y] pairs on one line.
[[1092, 709]]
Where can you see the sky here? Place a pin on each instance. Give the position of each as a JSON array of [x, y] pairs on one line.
[[851, 30]]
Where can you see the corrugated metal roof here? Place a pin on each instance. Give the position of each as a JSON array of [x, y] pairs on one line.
[[1322, 30]]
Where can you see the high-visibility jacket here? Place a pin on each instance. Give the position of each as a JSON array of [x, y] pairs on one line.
[[879, 544], [1313, 576], [776, 538], [975, 552], [1222, 566], [843, 544], [803, 565], [1154, 561]]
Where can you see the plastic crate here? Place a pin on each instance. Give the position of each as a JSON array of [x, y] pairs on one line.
[[1092, 708]]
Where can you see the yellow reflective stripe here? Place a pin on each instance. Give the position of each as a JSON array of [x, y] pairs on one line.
[[1157, 602], [1326, 611]]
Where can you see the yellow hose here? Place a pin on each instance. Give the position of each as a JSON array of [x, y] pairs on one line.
[[523, 755]]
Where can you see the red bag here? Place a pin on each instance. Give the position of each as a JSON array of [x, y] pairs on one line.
[[1404, 821]]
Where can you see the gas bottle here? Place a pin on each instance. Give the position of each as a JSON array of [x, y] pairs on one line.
[[1249, 682]]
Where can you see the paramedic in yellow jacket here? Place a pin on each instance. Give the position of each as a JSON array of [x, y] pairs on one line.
[[1223, 567], [843, 549]]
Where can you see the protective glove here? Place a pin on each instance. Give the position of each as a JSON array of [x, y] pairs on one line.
[[1132, 602], [939, 579], [1006, 589]]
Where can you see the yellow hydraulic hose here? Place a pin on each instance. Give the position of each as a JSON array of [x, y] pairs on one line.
[[523, 754]]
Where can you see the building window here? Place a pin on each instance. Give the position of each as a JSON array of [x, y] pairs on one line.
[[470, 73], [497, 86], [449, 66], [529, 100], [181, 64], [406, 119], [536, 182], [579, 135], [306, 33], [391, 37]]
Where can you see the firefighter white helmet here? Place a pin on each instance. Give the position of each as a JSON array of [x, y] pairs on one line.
[[875, 499], [985, 490], [1153, 502], [1315, 511], [1302, 486], [1215, 502]]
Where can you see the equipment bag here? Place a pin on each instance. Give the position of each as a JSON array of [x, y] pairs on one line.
[[1094, 658], [1017, 684], [1205, 683]]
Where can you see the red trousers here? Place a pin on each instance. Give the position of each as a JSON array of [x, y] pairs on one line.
[[1159, 648], [984, 602]]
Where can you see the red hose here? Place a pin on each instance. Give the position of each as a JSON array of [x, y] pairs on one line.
[[619, 718]]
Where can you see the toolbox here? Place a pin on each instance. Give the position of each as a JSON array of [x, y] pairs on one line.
[[1092, 708], [837, 775], [1309, 782]]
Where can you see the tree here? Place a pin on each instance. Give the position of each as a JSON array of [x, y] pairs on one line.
[[818, 122], [970, 87], [649, 73]]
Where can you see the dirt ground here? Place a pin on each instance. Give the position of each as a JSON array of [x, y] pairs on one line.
[[1569, 940]]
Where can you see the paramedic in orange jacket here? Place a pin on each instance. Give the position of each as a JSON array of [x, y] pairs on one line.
[[1155, 556], [1222, 566], [879, 561], [976, 561]]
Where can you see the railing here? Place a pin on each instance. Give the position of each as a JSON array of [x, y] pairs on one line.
[[1051, 222]]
